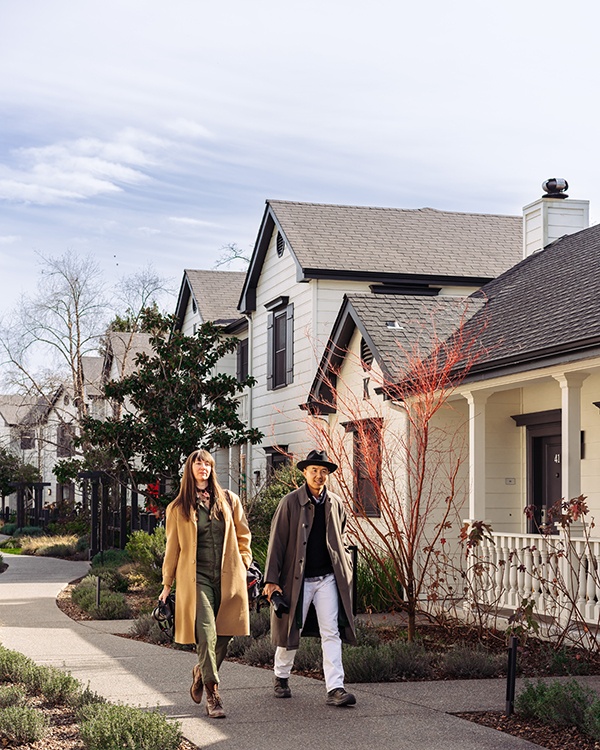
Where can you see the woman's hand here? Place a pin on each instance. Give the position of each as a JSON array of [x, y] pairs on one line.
[[270, 588], [164, 593]]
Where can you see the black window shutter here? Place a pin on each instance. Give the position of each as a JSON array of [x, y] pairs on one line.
[[270, 323], [242, 359], [289, 352]]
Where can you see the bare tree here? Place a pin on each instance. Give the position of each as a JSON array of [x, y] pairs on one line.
[[401, 458], [231, 253], [50, 332], [46, 341]]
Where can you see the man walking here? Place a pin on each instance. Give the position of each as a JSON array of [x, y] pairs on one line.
[[307, 562]]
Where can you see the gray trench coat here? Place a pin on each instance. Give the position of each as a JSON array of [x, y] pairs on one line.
[[285, 563]]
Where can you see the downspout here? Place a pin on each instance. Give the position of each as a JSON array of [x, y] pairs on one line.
[[249, 456]]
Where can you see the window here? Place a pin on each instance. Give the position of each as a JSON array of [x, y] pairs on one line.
[[277, 456], [64, 440], [27, 440], [367, 465], [280, 343], [242, 360]]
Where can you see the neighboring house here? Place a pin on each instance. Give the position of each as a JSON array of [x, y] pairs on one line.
[[93, 371], [40, 431], [308, 256], [212, 296], [529, 407]]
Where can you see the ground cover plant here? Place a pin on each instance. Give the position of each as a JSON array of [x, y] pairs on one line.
[[44, 707]]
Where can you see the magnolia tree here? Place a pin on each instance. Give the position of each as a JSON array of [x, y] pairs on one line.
[[400, 447], [174, 402]]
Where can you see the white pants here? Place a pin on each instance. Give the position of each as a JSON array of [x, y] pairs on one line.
[[323, 593]]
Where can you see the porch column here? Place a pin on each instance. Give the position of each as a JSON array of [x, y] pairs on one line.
[[476, 401], [570, 384]]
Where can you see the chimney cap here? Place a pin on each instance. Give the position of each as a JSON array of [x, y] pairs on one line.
[[555, 187]]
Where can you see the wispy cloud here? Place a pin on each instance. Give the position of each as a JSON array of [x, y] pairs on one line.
[[9, 239], [79, 169]]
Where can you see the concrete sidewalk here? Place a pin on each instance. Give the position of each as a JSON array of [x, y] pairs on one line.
[[402, 716]]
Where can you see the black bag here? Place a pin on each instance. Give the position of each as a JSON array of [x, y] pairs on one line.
[[254, 579], [164, 614]]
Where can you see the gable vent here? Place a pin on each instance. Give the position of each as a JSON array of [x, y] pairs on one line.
[[280, 244], [366, 355]]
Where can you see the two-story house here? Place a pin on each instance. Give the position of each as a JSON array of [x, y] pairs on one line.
[[308, 256]]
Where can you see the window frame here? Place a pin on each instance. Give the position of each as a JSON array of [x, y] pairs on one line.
[[364, 493], [280, 343]]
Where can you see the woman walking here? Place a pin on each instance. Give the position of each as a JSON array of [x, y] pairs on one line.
[[207, 555]]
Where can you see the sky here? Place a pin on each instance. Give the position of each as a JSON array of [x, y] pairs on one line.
[[141, 132]]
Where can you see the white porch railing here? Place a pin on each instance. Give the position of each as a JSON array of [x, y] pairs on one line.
[[560, 574]]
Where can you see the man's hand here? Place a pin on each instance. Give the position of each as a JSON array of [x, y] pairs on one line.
[[270, 588]]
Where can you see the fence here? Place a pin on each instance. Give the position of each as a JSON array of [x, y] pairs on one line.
[[558, 573]]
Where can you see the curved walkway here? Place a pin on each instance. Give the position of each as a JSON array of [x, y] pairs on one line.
[[402, 716]]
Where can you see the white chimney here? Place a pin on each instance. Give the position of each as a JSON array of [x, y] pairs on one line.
[[552, 216]]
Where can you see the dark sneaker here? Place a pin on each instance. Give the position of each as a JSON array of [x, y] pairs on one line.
[[339, 697], [282, 689]]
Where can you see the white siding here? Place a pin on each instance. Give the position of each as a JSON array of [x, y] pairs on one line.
[[277, 413]]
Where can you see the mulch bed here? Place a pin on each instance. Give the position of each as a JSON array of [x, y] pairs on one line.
[[544, 735]]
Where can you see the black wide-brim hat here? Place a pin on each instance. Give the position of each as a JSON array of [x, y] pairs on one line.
[[317, 458]]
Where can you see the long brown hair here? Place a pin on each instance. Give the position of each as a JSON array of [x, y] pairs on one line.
[[186, 499]]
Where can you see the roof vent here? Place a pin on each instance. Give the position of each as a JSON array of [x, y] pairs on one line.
[[393, 324], [555, 188]]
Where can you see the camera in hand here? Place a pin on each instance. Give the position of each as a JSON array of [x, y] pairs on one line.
[[279, 604]]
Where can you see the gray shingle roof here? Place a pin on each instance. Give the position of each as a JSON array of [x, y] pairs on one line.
[[217, 293], [403, 328], [124, 347], [14, 408], [422, 241], [92, 374], [547, 305]]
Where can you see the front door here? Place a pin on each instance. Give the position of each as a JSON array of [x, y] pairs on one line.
[[547, 473]]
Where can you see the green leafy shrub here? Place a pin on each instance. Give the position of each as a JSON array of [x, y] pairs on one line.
[[592, 720], [55, 685], [561, 703], [147, 551], [377, 586], [113, 579], [15, 667], [562, 662], [22, 724], [83, 543], [28, 531], [9, 528], [113, 606], [108, 726], [260, 507], [110, 558], [466, 661], [11, 695]]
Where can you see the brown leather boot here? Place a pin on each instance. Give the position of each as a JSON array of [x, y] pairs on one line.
[[214, 707], [197, 686]]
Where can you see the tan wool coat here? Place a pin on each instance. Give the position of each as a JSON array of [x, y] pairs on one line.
[[290, 529], [180, 566]]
